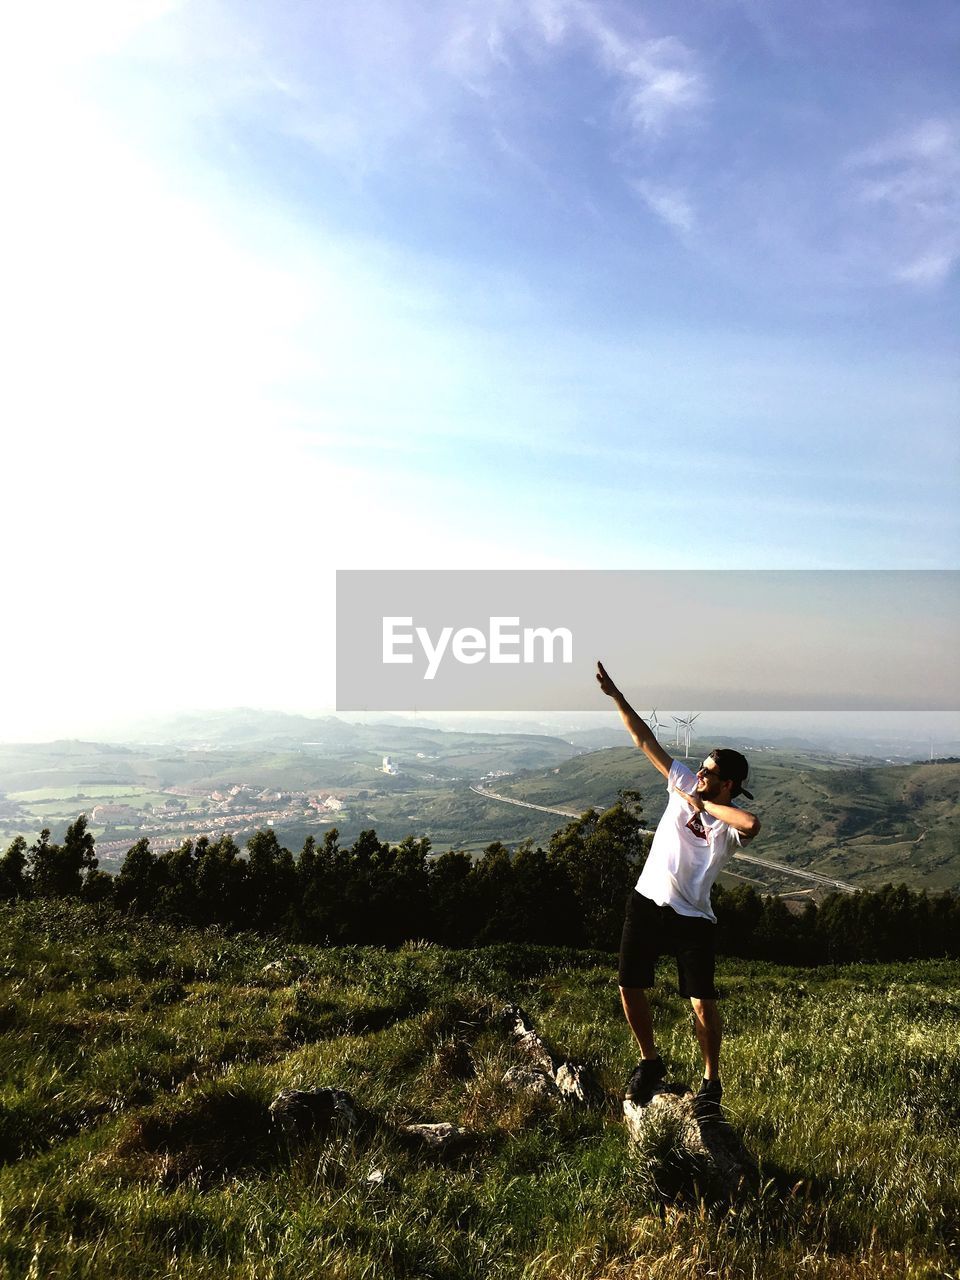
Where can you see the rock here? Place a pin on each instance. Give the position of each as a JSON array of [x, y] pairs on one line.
[[526, 1039], [515, 1021], [307, 1113], [546, 1075], [687, 1158], [576, 1084], [532, 1047], [285, 970], [439, 1137], [666, 1109], [532, 1080]]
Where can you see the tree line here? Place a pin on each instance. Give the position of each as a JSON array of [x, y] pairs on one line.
[[372, 892]]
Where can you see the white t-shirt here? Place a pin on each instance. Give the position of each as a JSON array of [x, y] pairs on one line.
[[688, 851]]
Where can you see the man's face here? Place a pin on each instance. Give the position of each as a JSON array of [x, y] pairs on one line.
[[709, 783]]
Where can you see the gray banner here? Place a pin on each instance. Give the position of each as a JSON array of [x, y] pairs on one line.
[[880, 640]]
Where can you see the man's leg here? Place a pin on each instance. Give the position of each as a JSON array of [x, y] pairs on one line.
[[639, 945], [706, 1025], [650, 1071], [636, 1006]]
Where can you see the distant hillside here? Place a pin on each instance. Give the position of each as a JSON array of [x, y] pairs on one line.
[[350, 755], [249, 727], [869, 823], [48, 784]]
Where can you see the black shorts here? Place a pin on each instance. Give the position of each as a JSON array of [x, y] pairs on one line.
[[650, 931]]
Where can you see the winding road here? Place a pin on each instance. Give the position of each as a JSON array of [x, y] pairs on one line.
[[781, 867]]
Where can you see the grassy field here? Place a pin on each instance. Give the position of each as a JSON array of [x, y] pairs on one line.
[[139, 1060], [53, 804]]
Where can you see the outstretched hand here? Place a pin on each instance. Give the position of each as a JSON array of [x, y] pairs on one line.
[[606, 684]]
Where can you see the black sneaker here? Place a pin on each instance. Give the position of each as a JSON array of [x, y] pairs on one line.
[[643, 1083], [706, 1102]]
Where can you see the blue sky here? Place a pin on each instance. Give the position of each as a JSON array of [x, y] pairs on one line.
[[544, 283]]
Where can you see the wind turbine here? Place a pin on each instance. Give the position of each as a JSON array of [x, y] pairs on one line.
[[679, 721], [687, 727], [654, 723]]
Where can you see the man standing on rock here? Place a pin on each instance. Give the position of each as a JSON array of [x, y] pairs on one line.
[[669, 910]]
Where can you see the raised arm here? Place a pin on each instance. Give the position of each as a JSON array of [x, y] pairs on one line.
[[639, 731]]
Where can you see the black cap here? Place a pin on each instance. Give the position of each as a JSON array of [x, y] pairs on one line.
[[732, 766]]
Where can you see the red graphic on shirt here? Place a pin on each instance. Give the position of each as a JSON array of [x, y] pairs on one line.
[[696, 827]]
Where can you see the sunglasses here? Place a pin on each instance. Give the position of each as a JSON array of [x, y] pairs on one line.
[[709, 773]]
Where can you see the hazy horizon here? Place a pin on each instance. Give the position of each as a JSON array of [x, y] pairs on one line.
[[940, 729]]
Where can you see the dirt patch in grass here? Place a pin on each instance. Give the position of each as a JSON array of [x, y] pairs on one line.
[[202, 1138]]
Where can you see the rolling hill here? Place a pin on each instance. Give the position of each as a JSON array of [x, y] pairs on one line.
[[866, 822]]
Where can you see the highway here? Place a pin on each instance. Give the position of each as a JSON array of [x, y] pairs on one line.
[[815, 876], [524, 804], [781, 867]]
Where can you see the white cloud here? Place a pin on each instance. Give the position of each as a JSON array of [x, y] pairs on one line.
[[668, 203], [932, 268], [911, 181], [932, 140], [552, 16], [661, 81], [657, 82]]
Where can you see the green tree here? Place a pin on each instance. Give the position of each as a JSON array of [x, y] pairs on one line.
[[43, 864], [13, 864], [317, 914], [406, 892], [268, 882], [739, 911], [58, 871], [600, 853], [98, 886], [178, 882], [493, 878], [138, 880], [220, 875], [455, 900], [545, 908]]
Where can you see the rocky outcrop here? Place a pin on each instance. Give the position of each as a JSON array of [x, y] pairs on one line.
[[544, 1073], [685, 1156], [532, 1080], [302, 1114]]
